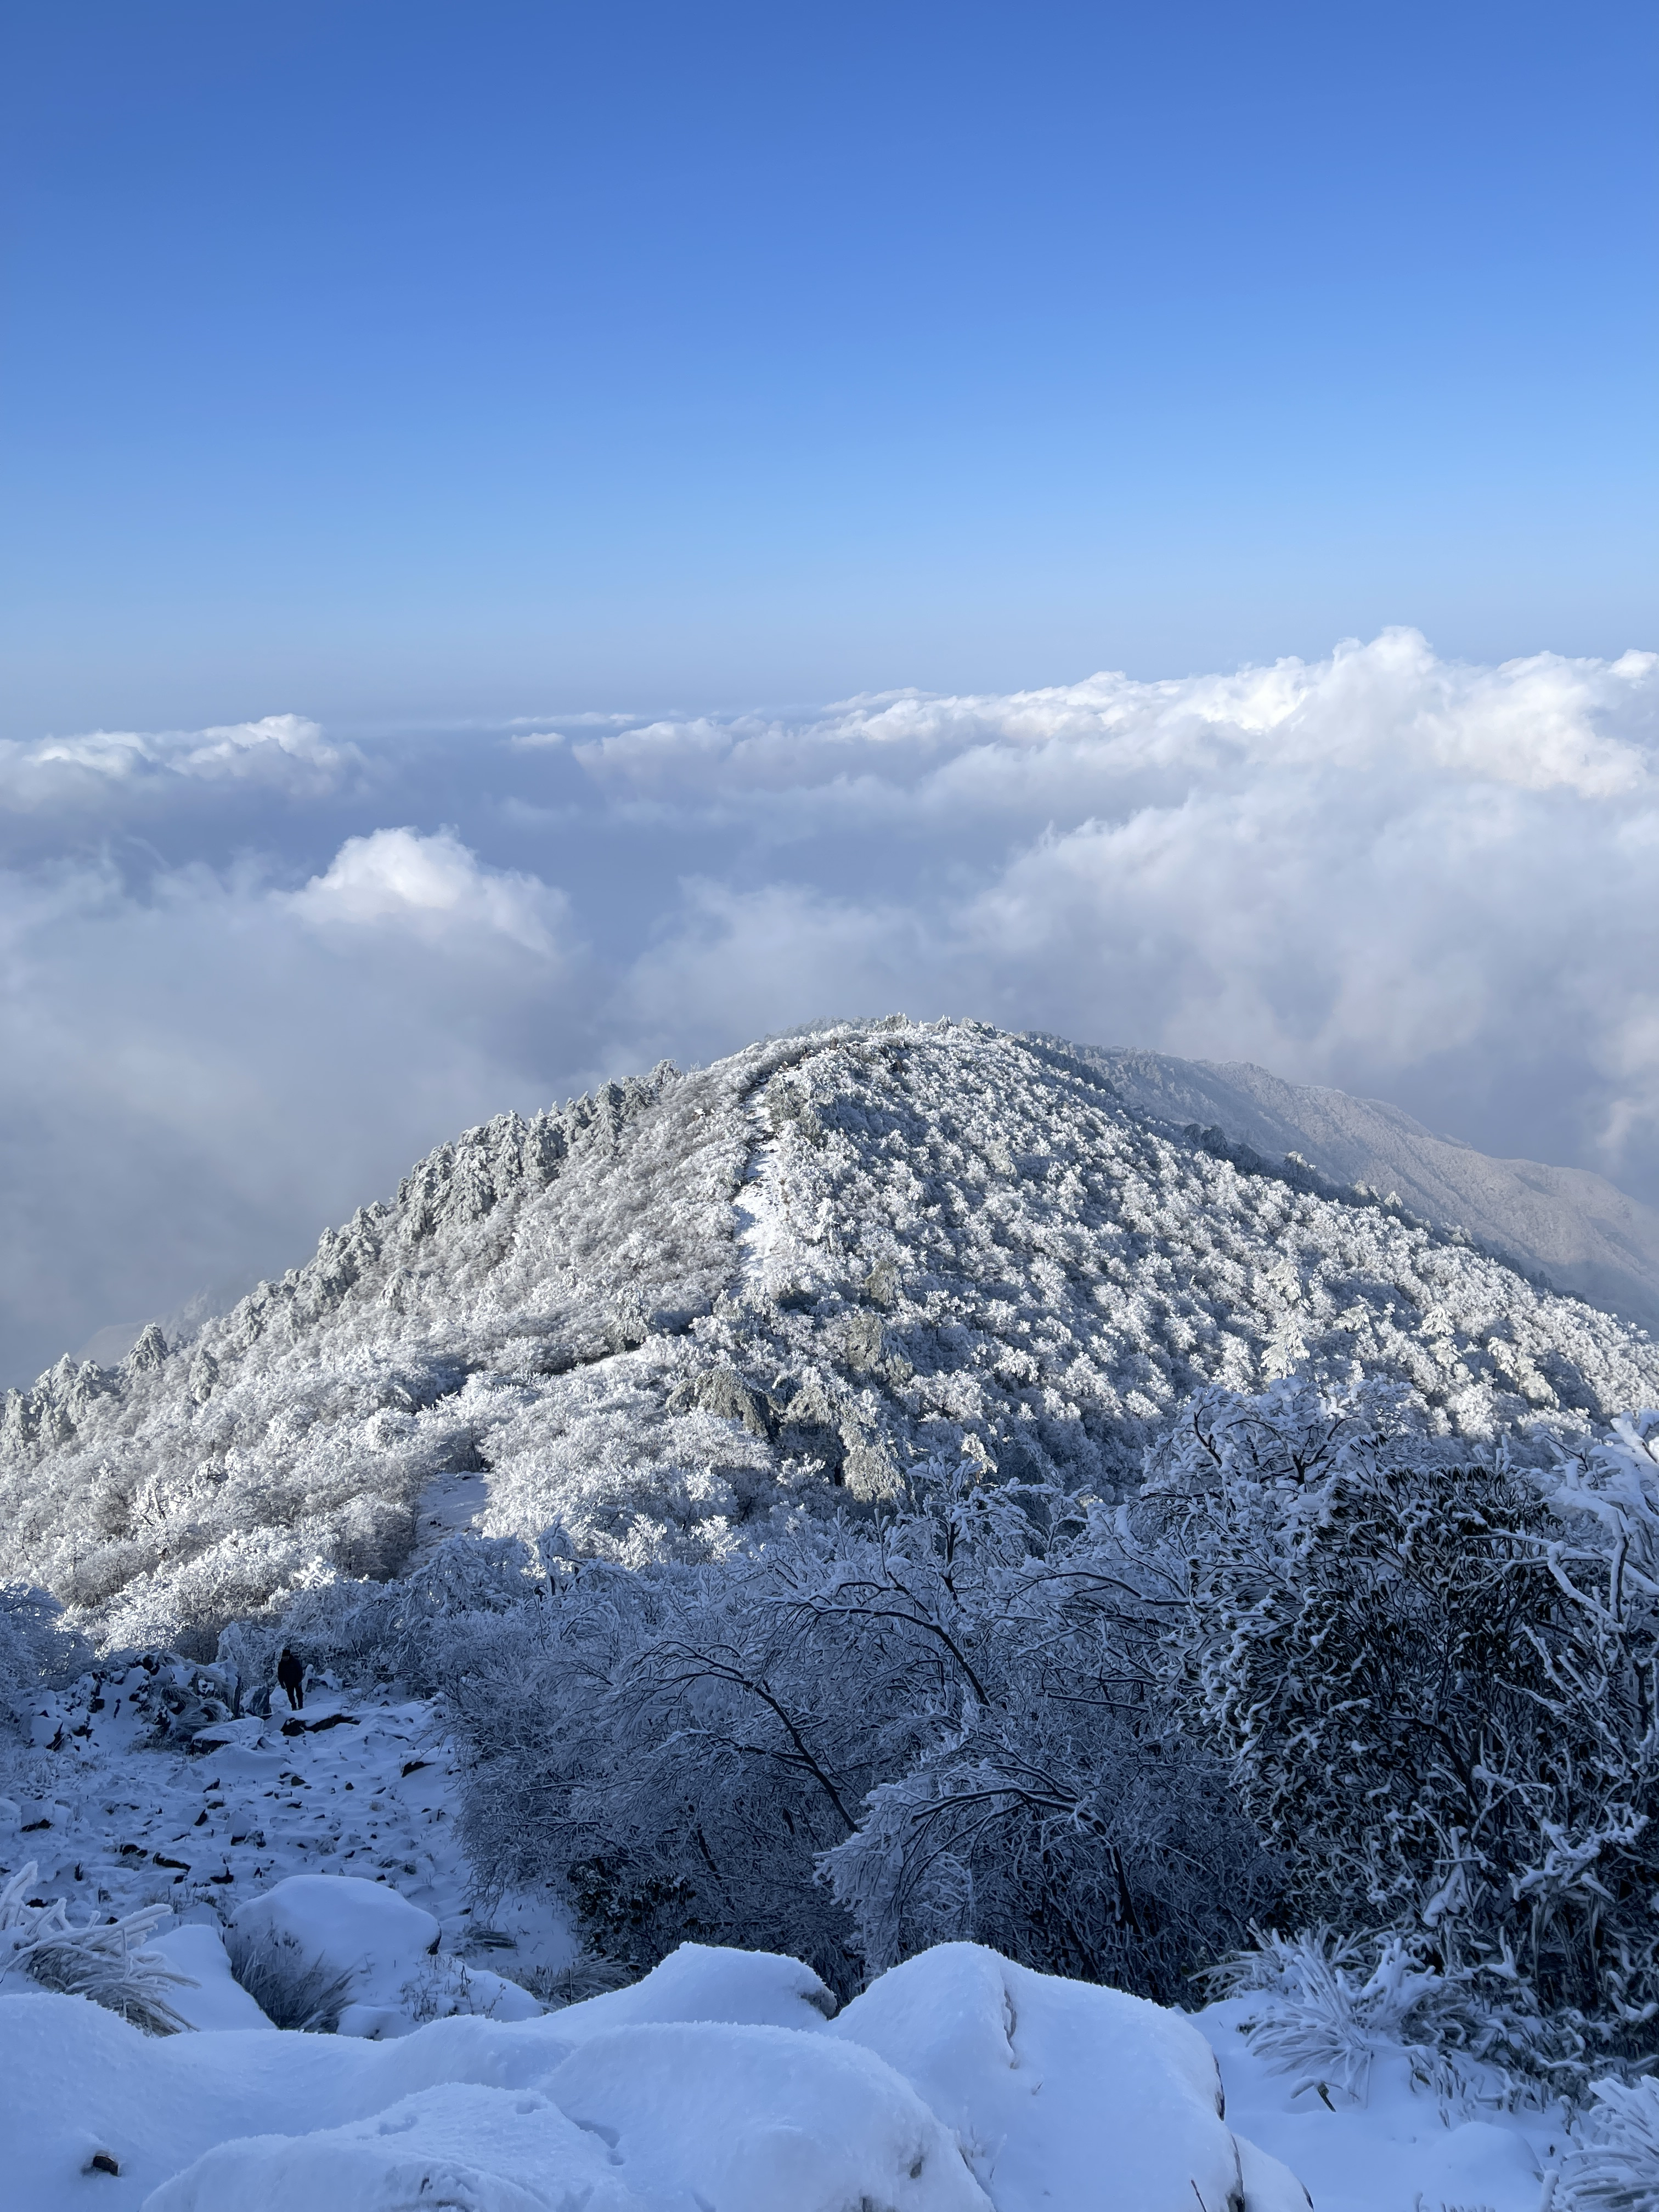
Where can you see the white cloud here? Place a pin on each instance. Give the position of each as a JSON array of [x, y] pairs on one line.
[[1389, 707], [194, 1079], [285, 750], [1422, 880], [1384, 871], [432, 887]]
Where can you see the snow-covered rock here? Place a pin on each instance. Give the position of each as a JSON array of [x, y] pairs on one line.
[[924, 2096], [1060, 2092], [349, 1926], [380, 1948], [750, 2118], [701, 1982], [462, 2146]]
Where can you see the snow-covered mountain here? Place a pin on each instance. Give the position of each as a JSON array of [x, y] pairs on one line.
[[1580, 1231], [667, 1314]]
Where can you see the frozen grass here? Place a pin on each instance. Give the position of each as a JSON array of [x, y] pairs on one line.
[[106, 1962]]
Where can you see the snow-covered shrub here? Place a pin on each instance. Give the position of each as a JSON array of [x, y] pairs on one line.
[[367, 1631], [106, 1962], [858, 1742], [1046, 1803], [645, 1742], [291, 1987], [36, 1652], [586, 1976], [1332, 2004], [1432, 1674], [1330, 2016], [1614, 2167]]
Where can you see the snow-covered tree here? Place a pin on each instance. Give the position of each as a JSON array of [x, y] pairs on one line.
[[950, 1715], [1432, 1674], [667, 1312], [37, 1650]]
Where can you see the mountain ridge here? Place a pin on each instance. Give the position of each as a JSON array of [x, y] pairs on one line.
[[1580, 1233], [698, 1305]]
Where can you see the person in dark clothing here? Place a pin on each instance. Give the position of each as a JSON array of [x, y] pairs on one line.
[[292, 1676]]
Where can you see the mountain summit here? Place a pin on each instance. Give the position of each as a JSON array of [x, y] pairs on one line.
[[660, 1318]]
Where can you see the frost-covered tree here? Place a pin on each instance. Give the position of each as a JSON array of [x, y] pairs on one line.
[[859, 1742], [656, 1743], [675, 1313], [1046, 1803], [1432, 1674], [36, 1651]]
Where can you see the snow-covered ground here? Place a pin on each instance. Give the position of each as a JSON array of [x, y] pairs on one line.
[[364, 1787], [722, 2083], [958, 2083], [449, 1505], [1401, 2150], [719, 2084]]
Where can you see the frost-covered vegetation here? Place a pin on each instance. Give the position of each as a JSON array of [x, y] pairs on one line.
[[36, 1652], [858, 1743], [1432, 1674], [700, 1307], [906, 1498], [108, 1960], [1325, 1669], [1616, 2166]]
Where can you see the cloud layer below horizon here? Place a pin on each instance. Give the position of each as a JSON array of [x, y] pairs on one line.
[[253, 971]]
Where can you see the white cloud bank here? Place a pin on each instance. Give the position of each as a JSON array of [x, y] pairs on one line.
[[286, 751], [1427, 881], [1381, 871]]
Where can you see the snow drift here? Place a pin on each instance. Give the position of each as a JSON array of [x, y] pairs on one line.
[[957, 2083]]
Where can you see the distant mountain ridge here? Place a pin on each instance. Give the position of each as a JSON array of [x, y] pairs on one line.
[[697, 1307], [1578, 1232]]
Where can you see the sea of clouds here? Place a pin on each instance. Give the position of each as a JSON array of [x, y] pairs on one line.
[[252, 972]]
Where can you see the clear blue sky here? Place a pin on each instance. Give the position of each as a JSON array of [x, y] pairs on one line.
[[391, 361]]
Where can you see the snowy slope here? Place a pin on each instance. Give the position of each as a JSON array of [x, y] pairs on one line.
[[1042, 2091], [1576, 1229], [113, 1820], [667, 1312]]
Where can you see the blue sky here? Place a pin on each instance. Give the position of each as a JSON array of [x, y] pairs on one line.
[[411, 363], [453, 460]]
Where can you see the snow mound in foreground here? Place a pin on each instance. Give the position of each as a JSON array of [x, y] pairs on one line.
[[958, 2083], [1052, 2085], [458, 2146], [380, 1948]]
